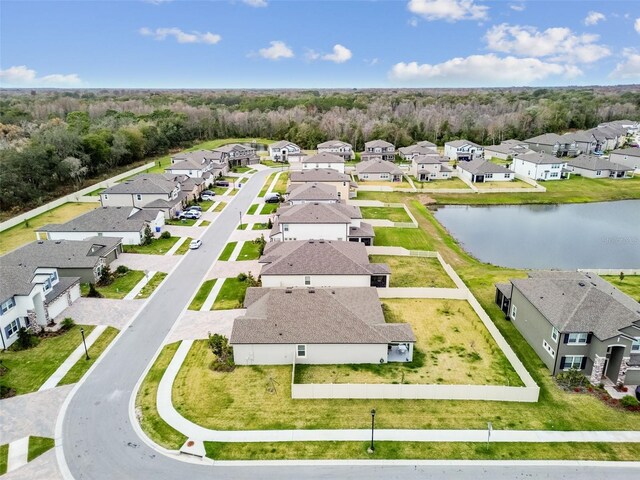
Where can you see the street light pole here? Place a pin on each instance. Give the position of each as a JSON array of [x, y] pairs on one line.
[[84, 342], [240, 213], [373, 424]]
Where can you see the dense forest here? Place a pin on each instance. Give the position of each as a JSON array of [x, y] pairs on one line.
[[52, 142]]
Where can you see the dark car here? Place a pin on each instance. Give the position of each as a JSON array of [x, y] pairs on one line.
[[272, 198], [222, 183], [208, 192]]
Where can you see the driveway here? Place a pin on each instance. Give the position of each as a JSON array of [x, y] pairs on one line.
[[233, 269], [137, 261], [197, 325], [180, 231], [101, 311]]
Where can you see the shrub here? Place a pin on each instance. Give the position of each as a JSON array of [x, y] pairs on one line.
[[165, 235], [93, 293], [26, 339], [629, 401], [262, 242], [121, 270], [269, 224], [106, 277], [223, 352], [67, 324], [571, 379], [242, 277], [148, 236]]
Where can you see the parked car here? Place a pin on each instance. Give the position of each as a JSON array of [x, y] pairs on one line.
[[195, 244], [190, 214], [195, 207], [222, 183], [208, 192], [207, 197], [272, 198]]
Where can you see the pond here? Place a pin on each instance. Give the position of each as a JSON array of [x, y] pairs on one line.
[[259, 147], [569, 236]]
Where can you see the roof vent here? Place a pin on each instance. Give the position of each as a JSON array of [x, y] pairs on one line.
[[311, 241], [582, 284], [312, 290], [58, 242], [320, 241], [40, 242], [593, 284], [288, 290]]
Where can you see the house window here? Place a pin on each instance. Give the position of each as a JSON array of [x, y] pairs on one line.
[[285, 227], [12, 328], [514, 311], [577, 338], [106, 196], [573, 361], [507, 175], [47, 285], [554, 175], [554, 334], [301, 351], [598, 172], [635, 345], [488, 175], [548, 348], [54, 276], [139, 197], [307, 280], [6, 306]]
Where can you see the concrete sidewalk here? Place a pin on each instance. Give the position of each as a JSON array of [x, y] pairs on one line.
[[177, 245], [195, 432], [139, 286], [208, 303], [18, 453]]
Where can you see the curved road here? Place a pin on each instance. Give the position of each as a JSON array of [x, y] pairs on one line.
[[99, 442]]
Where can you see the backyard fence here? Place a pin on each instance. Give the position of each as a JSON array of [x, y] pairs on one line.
[[611, 271]]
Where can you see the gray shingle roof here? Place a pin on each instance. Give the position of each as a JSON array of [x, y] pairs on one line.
[[15, 280], [462, 143], [541, 158], [579, 136], [282, 144], [630, 152], [377, 143], [315, 316], [592, 162], [364, 230], [430, 159], [545, 139], [333, 144], [114, 219], [145, 183], [312, 191], [318, 257], [318, 213], [323, 157], [416, 149], [426, 143], [318, 175], [482, 166], [64, 283], [579, 302], [197, 157], [378, 166]]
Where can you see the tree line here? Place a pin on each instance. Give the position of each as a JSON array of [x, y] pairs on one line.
[[53, 142]]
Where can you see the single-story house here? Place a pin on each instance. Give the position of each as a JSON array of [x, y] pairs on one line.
[[378, 150], [321, 221], [553, 144], [323, 160], [31, 297], [463, 150], [285, 151], [125, 222], [591, 166], [317, 326], [540, 166], [576, 320], [140, 191], [425, 168], [629, 157], [412, 151], [480, 171], [378, 171], [507, 150], [329, 176], [312, 193], [320, 263], [337, 147]]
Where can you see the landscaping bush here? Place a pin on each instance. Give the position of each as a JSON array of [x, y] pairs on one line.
[[571, 379], [26, 339], [269, 224], [262, 242], [106, 277], [148, 236], [6, 392], [223, 352], [67, 324], [93, 293], [165, 235], [242, 277], [629, 401], [121, 270]]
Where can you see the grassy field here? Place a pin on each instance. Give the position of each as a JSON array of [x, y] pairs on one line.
[[452, 347], [182, 222], [281, 185], [201, 296], [252, 209], [82, 366], [386, 213], [231, 294], [260, 226], [151, 286], [410, 238], [4, 458], [24, 233], [158, 246], [440, 184], [629, 285], [120, 286], [39, 445], [269, 208], [28, 369], [515, 183], [146, 410], [415, 271], [226, 253], [249, 251], [184, 248], [205, 223], [220, 207], [266, 185], [382, 183]]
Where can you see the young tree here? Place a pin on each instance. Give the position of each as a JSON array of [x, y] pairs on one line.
[[106, 277], [148, 236], [223, 352]]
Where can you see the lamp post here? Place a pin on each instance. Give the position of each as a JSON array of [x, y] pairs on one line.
[[373, 424], [240, 213], [84, 342]]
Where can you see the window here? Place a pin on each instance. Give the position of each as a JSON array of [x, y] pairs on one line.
[[139, 197], [307, 280], [12, 328], [635, 345], [548, 348], [301, 351], [6, 306], [285, 227], [598, 172], [106, 196], [577, 338], [514, 311], [554, 175], [488, 175], [507, 175], [53, 276], [573, 361], [554, 334], [47, 285]]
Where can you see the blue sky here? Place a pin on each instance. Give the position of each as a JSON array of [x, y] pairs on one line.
[[323, 44]]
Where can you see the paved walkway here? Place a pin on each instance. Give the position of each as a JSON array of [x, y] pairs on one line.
[[211, 298], [43, 467], [71, 360], [197, 325], [31, 414], [233, 269], [138, 261], [236, 251], [246, 235], [177, 245], [139, 286], [101, 311], [18, 452]]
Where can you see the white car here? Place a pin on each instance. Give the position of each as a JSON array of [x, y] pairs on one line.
[[195, 244], [208, 197]]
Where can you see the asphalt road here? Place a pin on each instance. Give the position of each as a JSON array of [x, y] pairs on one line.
[[99, 441]]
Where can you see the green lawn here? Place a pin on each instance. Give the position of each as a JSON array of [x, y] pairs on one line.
[[96, 193], [252, 209], [151, 286], [158, 246], [220, 207], [184, 248], [271, 163], [242, 226], [231, 294], [205, 223], [249, 251], [242, 169], [383, 183], [386, 213], [183, 222], [410, 238], [440, 184], [629, 285], [266, 185], [281, 185], [226, 253], [4, 458], [28, 369], [220, 190], [146, 410], [25, 232], [120, 286], [82, 366], [201, 296], [39, 445], [260, 226], [269, 208], [415, 271]]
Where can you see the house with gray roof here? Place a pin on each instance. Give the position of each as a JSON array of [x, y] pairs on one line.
[[237, 155], [576, 320], [540, 166], [321, 263], [592, 166], [553, 144], [480, 171], [337, 147], [585, 142], [629, 157], [312, 193], [412, 151], [321, 221], [378, 150], [426, 168], [463, 150], [378, 171], [323, 160], [285, 151], [345, 187], [317, 326], [125, 222], [507, 150], [206, 164]]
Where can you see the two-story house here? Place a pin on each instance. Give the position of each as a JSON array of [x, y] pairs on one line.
[[342, 182], [463, 150], [312, 193], [285, 151], [337, 147], [412, 151], [540, 166], [576, 320], [237, 155], [585, 142], [378, 150], [507, 150], [425, 168], [323, 160], [198, 164], [553, 144]]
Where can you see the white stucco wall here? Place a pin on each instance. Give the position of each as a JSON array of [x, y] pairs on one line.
[[626, 160], [320, 354], [315, 231], [316, 281], [128, 238], [537, 171], [339, 166]]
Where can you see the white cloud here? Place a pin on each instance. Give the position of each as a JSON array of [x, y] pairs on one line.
[[311, 55], [450, 10], [276, 51], [372, 62], [479, 70], [637, 25], [180, 35], [558, 43], [340, 54], [413, 22], [518, 7], [629, 69], [256, 3], [27, 77], [593, 18]]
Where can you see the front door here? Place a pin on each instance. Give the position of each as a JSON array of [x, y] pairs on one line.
[[614, 360]]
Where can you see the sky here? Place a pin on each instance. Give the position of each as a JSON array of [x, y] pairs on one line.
[[318, 43]]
